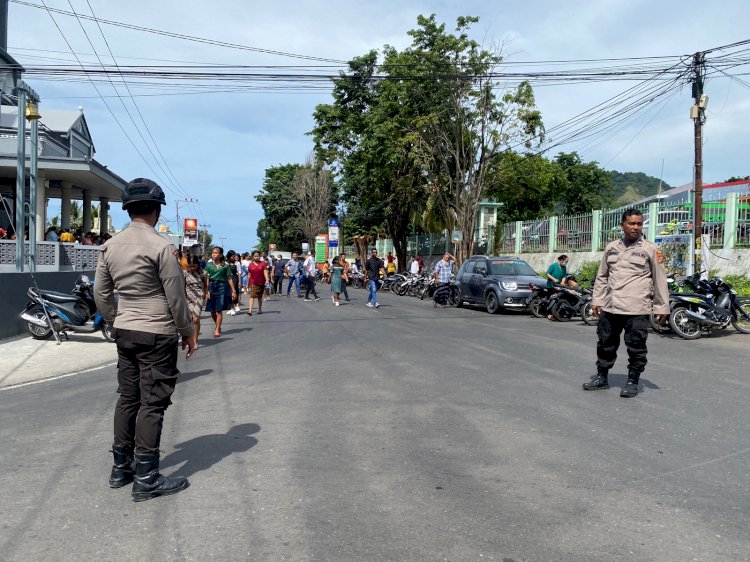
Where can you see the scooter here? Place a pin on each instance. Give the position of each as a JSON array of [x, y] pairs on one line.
[[49, 312], [713, 305]]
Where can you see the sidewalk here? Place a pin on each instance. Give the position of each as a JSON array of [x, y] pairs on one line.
[[25, 359]]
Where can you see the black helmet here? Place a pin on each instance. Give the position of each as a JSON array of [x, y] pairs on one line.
[[142, 189]]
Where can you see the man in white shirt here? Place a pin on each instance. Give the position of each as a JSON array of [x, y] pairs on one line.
[[414, 268], [311, 267]]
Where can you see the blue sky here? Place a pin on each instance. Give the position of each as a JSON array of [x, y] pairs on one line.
[[218, 145]]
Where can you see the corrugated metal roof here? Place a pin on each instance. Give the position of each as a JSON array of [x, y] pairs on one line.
[[57, 120]]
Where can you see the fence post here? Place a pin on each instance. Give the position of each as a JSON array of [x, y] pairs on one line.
[[731, 216], [653, 220], [596, 229], [552, 242], [519, 233]]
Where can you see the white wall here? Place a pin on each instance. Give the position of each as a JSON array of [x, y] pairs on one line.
[[725, 262]]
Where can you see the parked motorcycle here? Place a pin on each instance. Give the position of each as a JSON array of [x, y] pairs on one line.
[[540, 297], [73, 312], [567, 303], [713, 305], [676, 286]]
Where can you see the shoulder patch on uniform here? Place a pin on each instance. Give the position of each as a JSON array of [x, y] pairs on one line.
[[176, 253], [659, 256]]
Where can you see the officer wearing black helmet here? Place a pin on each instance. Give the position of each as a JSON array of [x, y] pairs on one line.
[[150, 315]]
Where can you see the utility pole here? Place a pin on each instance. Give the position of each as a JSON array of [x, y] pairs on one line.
[[203, 234], [222, 238], [177, 208], [698, 114]]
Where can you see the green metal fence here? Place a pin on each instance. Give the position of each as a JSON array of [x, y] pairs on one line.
[[726, 221]]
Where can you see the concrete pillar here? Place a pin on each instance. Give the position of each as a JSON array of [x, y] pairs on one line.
[[653, 220], [86, 204], [103, 215], [41, 208], [552, 242], [519, 236], [596, 229], [65, 205], [731, 216]]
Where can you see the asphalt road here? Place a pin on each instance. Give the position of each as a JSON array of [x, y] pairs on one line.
[[402, 433]]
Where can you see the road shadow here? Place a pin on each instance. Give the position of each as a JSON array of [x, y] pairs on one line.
[[205, 451], [232, 331], [620, 381], [184, 377]]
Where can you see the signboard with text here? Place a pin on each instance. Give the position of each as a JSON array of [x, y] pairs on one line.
[[333, 233], [321, 247], [190, 232]]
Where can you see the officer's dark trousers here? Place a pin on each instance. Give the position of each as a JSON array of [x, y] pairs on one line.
[[609, 329], [278, 284], [146, 374]]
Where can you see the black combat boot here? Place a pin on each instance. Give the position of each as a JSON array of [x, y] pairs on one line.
[[599, 383], [122, 470], [149, 483], [631, 387]]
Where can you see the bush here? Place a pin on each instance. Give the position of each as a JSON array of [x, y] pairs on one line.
[[739, 283], [588, 271]]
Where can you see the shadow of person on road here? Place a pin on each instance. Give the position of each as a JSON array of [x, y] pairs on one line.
[[621, 380], [184, 377], [207, 450], [234, 331]]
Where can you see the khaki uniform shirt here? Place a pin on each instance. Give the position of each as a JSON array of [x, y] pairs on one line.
[[631, 279], [142, 266]]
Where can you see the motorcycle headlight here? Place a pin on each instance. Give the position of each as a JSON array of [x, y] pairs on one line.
[[509, 285]]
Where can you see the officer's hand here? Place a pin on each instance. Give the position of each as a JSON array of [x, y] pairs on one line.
[[596, 309], [662, 319], [187, 341]]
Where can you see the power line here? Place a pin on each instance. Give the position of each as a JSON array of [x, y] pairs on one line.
[[178, 35], [104, 100]]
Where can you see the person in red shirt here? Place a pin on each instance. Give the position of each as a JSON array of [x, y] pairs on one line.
[[257, 280]]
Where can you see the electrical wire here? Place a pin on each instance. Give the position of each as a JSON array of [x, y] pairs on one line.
[[112, 113], [178, 35]]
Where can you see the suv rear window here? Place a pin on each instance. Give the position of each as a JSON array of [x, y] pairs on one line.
[[508, 267]]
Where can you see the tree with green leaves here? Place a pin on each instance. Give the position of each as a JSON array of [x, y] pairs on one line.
[[527, 185], [473, 120], [280, 224], [586, 186], [361, 137]]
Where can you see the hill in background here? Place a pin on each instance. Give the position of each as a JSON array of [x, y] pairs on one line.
[[632, 186]]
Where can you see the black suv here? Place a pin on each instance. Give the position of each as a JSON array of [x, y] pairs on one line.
[[496, 282]]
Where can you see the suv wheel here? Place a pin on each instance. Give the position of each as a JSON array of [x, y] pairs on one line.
[[492, 303]]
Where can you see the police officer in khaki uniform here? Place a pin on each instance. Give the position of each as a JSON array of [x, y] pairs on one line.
[[630, 285], [149, 316]]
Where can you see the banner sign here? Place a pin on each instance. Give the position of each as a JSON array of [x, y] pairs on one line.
[[321, 243], [333, 233], [675, 251], [190, 232]]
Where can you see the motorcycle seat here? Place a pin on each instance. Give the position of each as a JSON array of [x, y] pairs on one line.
[[54, 296]]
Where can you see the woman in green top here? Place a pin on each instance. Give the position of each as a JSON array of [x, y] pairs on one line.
[[337, 279], [221, 289]]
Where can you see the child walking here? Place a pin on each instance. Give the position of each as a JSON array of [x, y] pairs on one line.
[[337, 279], [196, 287]]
